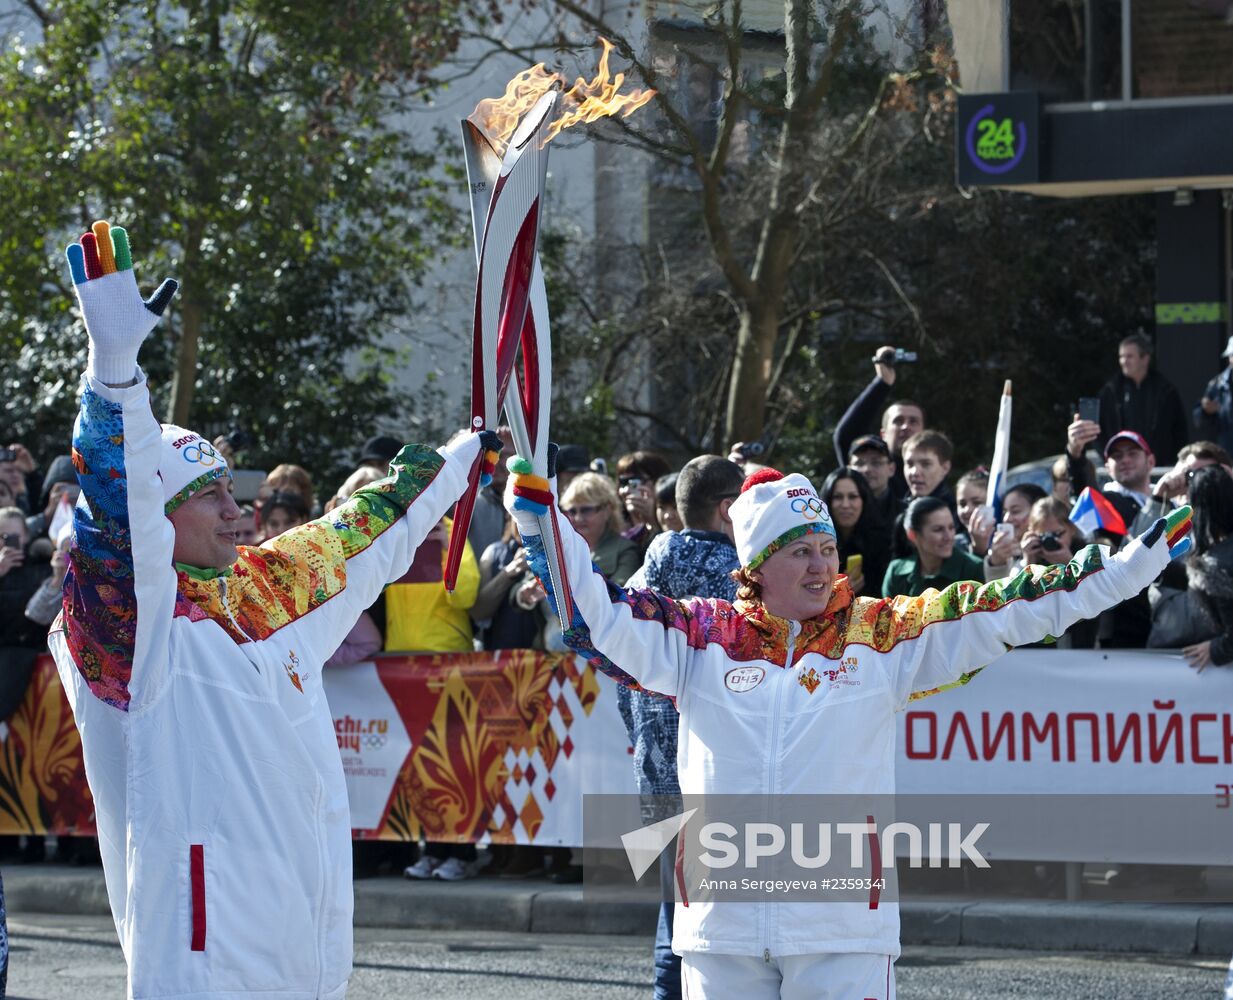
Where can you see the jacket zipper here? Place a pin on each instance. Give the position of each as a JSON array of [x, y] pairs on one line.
[[222, 594], [772, 783], [324, 870]]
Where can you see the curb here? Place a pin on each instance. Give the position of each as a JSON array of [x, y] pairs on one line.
[[487, 904]]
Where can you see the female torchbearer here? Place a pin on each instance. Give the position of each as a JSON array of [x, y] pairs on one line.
[[761, 712]]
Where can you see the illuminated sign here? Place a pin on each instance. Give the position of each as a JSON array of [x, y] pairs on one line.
[[998, 139]]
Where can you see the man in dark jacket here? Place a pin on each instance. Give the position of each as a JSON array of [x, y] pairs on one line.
[[1213, 416], [696, 562], [899, 419], [1129, 461], [870, 455], [1140, 399]]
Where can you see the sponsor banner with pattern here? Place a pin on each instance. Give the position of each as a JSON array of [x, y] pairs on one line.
[[503, 746], [455, 746]]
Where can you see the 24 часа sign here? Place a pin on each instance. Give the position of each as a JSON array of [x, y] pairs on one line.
[[998, 138]]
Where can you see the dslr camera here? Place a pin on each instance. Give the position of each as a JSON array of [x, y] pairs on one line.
[[1050, 541]]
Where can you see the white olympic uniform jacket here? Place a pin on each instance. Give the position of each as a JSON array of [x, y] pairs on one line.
[[771, 707], [220, 799]]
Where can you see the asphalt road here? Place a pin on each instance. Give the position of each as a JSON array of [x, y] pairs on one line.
[[58, 958]]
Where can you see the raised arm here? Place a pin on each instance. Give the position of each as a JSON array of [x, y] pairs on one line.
[[862, 416], [637, 637], [341, 562], [944, 637], [119, 593]]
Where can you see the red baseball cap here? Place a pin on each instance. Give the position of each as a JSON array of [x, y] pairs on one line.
[[1134, 437]]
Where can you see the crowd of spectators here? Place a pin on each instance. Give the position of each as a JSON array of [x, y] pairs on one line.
[[906, 519]]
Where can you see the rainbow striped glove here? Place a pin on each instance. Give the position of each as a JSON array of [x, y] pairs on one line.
[[490, 445], [1176, 529], [528, 497], [117, 319]]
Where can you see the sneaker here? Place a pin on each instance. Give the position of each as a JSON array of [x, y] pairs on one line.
[[424, 868], [453, 870]]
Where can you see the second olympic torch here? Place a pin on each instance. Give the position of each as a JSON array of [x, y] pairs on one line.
[[505, 142], [507, 195]]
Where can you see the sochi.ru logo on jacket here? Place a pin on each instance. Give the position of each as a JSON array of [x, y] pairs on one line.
[[841, 676]]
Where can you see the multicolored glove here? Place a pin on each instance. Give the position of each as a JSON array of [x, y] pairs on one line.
[[117, 319], [528, 497], [1176, 529], [491, 444]]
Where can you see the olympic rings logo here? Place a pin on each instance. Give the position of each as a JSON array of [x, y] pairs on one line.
[[374, 741], [201, 453], [810, 507]]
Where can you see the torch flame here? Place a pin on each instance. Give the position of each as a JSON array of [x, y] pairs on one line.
[[585, 101]]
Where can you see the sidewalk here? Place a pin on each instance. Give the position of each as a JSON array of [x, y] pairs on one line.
[[484, 904]]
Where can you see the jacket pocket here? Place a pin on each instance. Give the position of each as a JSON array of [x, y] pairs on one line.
[[197, 895]]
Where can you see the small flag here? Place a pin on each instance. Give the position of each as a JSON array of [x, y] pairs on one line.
[[1001, 454], [1093, 512]]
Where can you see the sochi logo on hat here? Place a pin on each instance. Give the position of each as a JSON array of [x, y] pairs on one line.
[[773, 510], [194, 449]]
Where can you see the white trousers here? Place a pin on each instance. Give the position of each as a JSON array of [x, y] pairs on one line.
[[841, 976]]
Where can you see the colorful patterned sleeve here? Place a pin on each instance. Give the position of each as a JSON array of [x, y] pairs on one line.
[[640, 638], [365, 543], [941, 639], [119, 590]]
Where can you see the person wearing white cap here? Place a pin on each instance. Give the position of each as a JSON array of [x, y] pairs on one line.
[[1213, 416], [792, 690], [193, 668]]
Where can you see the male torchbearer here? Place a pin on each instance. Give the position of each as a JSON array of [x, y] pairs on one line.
[[511, 304], [193, 668]]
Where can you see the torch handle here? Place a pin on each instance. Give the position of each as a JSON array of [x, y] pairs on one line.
[[462, 522]]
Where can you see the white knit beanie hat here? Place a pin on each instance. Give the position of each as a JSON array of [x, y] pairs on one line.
[[773, 510], [187, 464]]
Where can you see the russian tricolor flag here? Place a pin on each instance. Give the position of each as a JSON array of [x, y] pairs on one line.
[[1093, 512]]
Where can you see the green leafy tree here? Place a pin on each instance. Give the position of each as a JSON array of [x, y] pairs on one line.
[[253, 150]]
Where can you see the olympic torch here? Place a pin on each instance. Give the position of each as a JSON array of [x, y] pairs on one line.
[[505, 143], [506, 254]]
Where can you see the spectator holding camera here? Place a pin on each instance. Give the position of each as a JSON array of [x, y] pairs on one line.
[[1140, 399], [864, 539], [637, 474], [1196, 455], [1128, 460], [899, 420], [1050, 537], [1052, 540]]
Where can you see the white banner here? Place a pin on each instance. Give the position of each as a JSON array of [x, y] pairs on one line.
[[1077, 722]]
